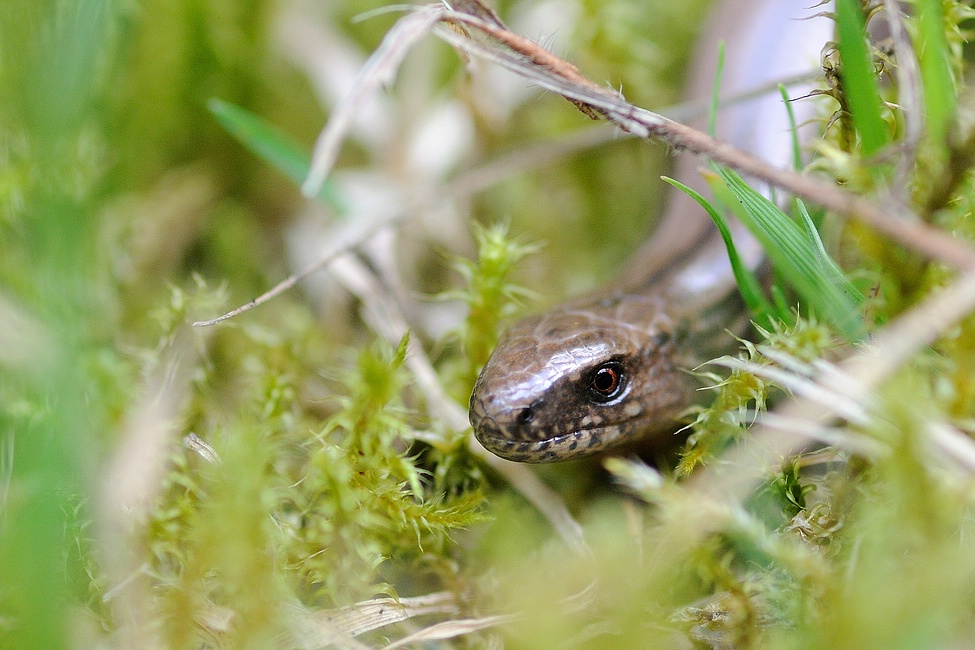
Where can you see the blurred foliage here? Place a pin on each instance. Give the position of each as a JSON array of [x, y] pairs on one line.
[[165, 486]]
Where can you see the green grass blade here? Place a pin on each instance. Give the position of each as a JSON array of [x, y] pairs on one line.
[[270, 144], [780, 300], [793, 130], [793, 255], [748, 284], [939, 90], [716, 93], [816, 243], [859, 81]]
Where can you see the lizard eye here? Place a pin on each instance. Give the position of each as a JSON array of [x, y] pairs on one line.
[[607, 382]]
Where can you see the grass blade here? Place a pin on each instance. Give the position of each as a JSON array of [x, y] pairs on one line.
[[270, 144], [748, 284], [939, 90], [794, 255], [859, 82]]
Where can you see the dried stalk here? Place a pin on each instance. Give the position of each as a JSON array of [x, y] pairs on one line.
[[481, 34], [530, 60]]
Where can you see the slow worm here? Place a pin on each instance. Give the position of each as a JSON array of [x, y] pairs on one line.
[[611, 368]]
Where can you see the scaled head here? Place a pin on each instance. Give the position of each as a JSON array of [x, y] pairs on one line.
[[578, 380]]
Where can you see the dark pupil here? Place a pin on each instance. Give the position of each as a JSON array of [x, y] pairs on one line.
[[606, 380]]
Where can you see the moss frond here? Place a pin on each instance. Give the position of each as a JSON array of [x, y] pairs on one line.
[[741, 396], [490, 295]]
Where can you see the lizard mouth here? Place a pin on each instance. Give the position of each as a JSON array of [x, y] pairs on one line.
[[577, 444]]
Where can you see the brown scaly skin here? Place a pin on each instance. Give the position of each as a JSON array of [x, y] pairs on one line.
[[576, 352]]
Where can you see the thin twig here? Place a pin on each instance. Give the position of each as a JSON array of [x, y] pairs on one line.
[[380, 70], [451, 629], [530, 60], [349, 243], [506, 165], [908, 75]]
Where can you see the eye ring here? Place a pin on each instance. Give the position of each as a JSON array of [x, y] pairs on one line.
[[607, 382]]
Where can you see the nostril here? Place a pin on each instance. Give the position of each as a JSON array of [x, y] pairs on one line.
[[525, 415]]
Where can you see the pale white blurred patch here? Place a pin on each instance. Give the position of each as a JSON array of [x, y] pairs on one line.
[[332, 63], [415, 140], [499, 92], [132, 479], [441, 141], [25, 341]]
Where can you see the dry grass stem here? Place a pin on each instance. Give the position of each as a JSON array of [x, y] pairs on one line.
[[545, 499], [131, 484], [907, 72], [530, 60], [450, 630], [384, 316], [370, 615], [537, 64]]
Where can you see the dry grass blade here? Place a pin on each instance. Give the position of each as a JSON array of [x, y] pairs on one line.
[[370, 615], [199, 446], [131, 484], [450, 630], [953, 444], [544, 498], [351, 239], [830, 386], [379, 70], [385, 317], [908, 75], [838, 437], [807, 387]]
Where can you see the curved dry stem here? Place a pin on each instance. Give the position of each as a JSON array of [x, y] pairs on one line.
[[525, 57], [530, 60]]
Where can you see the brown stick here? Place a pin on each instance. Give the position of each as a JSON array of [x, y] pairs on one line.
[[529, 59]]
